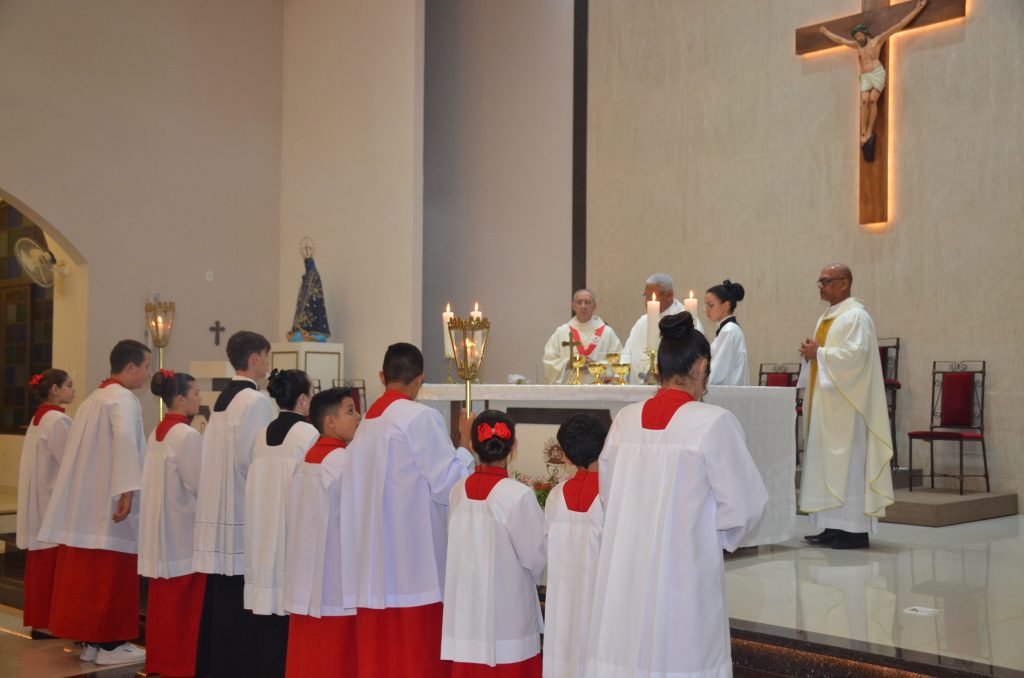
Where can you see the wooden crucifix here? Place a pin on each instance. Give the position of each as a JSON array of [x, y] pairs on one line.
[[867, 32]]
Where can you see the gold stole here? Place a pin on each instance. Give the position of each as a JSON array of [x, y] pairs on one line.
[[819, 337]]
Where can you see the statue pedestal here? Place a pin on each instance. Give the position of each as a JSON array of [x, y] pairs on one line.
[[323, 362]]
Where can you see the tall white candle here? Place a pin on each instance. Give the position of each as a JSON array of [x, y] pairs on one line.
[[447, 341], [653, 316], [691, 305], [477, 314]]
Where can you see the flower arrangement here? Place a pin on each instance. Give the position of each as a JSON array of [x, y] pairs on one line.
[[541, 486]]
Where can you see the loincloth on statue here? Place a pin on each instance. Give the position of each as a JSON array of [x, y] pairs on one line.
[[873, 80]]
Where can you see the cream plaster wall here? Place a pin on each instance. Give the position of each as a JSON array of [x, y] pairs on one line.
[[352, 170], [498, 175], [715, 152], [144, 138]]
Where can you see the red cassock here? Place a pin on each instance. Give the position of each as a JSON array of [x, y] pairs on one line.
[[324, 646], [173, 611], [420, 630], [95, 595], [39, 568]]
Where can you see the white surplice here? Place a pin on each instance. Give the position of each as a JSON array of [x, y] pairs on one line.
[[636, 344], [556, 356], [674, 498], [220, 504], [395, 507], [266, 503], [574, 542], [497, 552], [41, 453], [102, 460], [170, 479], [729, 357]]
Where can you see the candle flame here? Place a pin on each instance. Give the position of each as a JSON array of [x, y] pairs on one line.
[[469, 343], [448, 307], [476, 306], [654, 296], [159, 319], [691, 294]]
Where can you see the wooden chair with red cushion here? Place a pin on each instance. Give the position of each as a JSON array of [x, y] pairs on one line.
[[958, 409], [889, 353], [784, 374]]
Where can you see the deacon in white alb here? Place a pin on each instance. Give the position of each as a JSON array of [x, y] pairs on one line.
[[593, 338], [729, 349], [678, 486], [659, 285]]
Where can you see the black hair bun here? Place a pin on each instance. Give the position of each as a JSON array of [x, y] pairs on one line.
[[159, 384], [735, 290], [678, 326], [276, 383]]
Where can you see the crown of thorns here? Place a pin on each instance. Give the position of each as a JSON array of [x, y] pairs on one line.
[[860, 28]]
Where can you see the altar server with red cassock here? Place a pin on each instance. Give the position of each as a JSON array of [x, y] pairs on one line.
[[321, 632], [170, 478], [93, 514], [497, 552], [229, 635], [403, 467], [575, 519], [41, 453], [678, 486]]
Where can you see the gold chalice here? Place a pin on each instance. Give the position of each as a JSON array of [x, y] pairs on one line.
[[621, 370], [578, 363], [597, 371], [613, 358]]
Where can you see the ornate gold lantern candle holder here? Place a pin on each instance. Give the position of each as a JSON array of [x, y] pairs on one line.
[[469, 340], [160, 319]]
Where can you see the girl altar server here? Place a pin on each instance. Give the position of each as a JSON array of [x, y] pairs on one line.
[[678, 486], [170, 479], [40, 460], [497, 552], [729, 349]]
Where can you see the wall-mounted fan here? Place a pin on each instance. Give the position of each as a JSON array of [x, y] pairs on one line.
[[37, 262]]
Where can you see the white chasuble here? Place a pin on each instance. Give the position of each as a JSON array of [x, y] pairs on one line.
[[636, 344], [102, 460], [729, 356], [41, 453], [844, 404], [497, 552], [574, 542], [556, 356], [267, 489], [170, 479], [674, 498], [240, 413]]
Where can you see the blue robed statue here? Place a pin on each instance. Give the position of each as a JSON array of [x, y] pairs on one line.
[[310, 322]]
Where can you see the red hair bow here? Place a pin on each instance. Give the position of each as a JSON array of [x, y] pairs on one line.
[[485, 431], [35, 380], [167, 374]]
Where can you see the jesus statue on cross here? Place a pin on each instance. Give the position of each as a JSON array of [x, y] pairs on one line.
[[872, 72]]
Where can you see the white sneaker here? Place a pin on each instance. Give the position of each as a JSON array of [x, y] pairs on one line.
[[125, 653], [88, 653]]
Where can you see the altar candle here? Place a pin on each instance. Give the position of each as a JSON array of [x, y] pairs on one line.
[[691, 305], [447, 341], [476, 314], [653, 315]]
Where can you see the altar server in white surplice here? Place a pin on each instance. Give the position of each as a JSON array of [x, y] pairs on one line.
[[94, 515], [575, 519], [846, 482], [658, 286], [170, 479], [230, 636], [678, 486], [41, 453], [277, 451], [321, 631], [729, 349], [497, 552], [594, 338]]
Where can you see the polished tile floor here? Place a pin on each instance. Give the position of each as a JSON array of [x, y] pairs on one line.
[[953, 592]]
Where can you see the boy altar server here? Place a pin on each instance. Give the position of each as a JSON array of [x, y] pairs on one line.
[[395, 512], [94, 516], [229, 635]]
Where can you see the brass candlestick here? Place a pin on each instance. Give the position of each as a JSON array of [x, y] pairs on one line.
[[449, 380], [652, 367], [469, 339], [160, 318]]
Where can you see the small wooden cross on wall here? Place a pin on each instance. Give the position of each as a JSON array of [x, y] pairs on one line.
[[217, 328], [874, 174]]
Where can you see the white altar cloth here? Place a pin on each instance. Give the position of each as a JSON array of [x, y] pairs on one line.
[[767, 414]]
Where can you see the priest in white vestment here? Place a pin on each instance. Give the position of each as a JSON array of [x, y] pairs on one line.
[[593, 339], [846, 481], [678, 485], [659, 285]]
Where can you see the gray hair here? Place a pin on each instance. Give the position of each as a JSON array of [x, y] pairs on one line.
[[662, 280], [588, 291]]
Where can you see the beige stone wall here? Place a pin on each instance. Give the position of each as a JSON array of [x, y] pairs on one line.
[[716, 152]]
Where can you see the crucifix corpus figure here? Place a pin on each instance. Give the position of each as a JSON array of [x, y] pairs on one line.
[[872, 72]]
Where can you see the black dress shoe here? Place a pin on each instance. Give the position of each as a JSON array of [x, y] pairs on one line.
[[851, 540], [824, 538]]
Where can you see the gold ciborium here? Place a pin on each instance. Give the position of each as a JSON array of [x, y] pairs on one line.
[[613, 358], [597, 371], [652, 367], [469, 339], [160, 318], [578, 363], [621, 370]]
